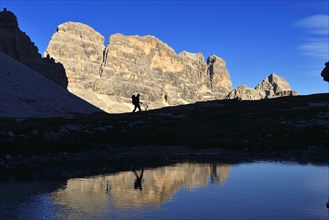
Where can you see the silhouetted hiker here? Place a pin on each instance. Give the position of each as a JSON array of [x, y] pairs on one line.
[[138, 181], [136, 103]]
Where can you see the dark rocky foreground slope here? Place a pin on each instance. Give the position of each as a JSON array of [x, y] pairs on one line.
[[288, 128]]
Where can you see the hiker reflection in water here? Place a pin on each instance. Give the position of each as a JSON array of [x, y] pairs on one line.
[[138, 181], [136, 102]]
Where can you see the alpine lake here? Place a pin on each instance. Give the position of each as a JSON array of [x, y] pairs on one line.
[[258, 190]]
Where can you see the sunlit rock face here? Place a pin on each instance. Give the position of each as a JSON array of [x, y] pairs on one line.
[[18, 45], [275, 86], [272, 86], [219, 77], [108, 77], [80, 49], [122, 190], [245, 93]]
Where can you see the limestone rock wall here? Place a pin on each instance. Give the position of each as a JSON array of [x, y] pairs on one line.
[[108, 76], [218, 75], [18, 45], [80, 49]]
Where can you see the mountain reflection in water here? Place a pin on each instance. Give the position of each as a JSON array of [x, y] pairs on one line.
[[183, 191], [154, 186]]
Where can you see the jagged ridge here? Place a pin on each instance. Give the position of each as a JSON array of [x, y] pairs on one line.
[[19, 46]]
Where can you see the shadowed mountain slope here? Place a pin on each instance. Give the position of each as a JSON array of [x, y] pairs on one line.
[[26, 93]]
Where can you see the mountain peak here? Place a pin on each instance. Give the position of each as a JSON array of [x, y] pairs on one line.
[[8, 19]]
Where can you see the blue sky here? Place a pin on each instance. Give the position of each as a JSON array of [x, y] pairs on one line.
[[255, 38]]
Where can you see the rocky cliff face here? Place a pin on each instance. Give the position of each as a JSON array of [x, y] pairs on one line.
[[19, 46], [108, 76], [272, 86]]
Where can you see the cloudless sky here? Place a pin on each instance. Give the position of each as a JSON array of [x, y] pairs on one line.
[[254, 37]]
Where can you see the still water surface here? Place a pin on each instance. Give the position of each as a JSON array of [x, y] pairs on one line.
[[180, 191]]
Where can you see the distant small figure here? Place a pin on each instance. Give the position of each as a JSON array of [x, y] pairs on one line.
[[166, 97], [146, 106], [136, 102]]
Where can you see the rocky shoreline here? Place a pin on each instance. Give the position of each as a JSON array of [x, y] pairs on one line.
[[149, 154]]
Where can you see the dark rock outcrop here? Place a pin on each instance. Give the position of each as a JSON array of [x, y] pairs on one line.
[[325, 72], [19, 46]]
